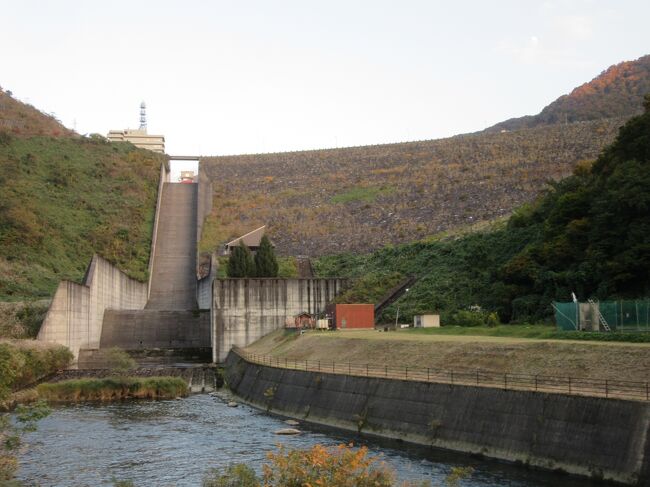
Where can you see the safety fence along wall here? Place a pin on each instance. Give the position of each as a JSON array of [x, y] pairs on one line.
[[75, 316], [619, 389], [590, 436]]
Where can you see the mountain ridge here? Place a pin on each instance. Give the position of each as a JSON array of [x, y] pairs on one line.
[[618, 91]]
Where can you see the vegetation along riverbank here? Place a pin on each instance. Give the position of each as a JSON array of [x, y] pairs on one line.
[[23, 362], [113, 388]]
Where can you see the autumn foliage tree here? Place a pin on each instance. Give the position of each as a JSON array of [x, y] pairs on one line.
[[341, 466]]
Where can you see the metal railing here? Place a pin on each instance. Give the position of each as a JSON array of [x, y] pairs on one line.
[[616, 389]]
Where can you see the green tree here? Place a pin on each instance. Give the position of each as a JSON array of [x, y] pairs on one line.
[[266, 263], [591, 227], [240, 262]]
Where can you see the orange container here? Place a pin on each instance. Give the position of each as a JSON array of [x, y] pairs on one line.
[[352, 316]]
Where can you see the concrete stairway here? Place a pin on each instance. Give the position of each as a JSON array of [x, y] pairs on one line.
[[173, 281], [394, 294], [170, 320]]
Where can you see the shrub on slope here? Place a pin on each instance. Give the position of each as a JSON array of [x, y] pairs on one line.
[[23, 120]]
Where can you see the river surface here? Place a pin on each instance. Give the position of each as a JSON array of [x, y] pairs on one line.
[[173, 443]]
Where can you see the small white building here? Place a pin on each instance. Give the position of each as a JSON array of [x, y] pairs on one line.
[[426, 321]]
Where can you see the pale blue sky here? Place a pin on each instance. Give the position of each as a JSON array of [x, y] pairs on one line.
[[252, 76]]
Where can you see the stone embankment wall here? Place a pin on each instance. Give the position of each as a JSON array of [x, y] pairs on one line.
[[589, 436], [244, 310], [76, 314]]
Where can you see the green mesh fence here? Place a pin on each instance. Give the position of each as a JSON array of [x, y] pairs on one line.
[[566, 316], [624, 316], [633, 316]]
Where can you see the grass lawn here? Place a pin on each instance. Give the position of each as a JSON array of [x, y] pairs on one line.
[[547, 332], [443, 350]]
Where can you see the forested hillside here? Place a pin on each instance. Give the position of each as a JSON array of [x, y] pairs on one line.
[[587, 234], [362, 198], [616, 92], [64, 198]]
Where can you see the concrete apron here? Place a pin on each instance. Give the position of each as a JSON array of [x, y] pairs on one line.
[[585, 436]]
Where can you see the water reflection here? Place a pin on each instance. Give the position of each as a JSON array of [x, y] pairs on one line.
[[173, 443]]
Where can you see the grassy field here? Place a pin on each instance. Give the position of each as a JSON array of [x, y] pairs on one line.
[[446, 351]]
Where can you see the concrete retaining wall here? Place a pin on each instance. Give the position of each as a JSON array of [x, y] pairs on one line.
[[153, 329], [244, 310], [75, 316], [164, 178], [204, 204], [595, 437], [204, 286]]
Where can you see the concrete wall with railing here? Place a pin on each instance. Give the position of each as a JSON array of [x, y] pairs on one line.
[[76, 313], [588, 436]]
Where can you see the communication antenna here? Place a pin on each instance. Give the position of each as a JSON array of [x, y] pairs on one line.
[[143, 116]]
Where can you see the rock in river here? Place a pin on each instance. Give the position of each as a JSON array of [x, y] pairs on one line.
[[288, 431]]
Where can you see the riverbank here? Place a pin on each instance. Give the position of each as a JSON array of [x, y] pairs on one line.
[[588, 436], [113, 389], [464, 353]]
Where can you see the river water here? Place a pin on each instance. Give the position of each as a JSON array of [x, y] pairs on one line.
[[173, 443]]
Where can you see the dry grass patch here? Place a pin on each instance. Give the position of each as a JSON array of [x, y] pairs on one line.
[[466, 353]]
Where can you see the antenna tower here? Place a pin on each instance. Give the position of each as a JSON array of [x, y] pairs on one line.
[[143, 116]]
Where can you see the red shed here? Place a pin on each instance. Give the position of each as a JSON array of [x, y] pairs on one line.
[[346, 316]]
